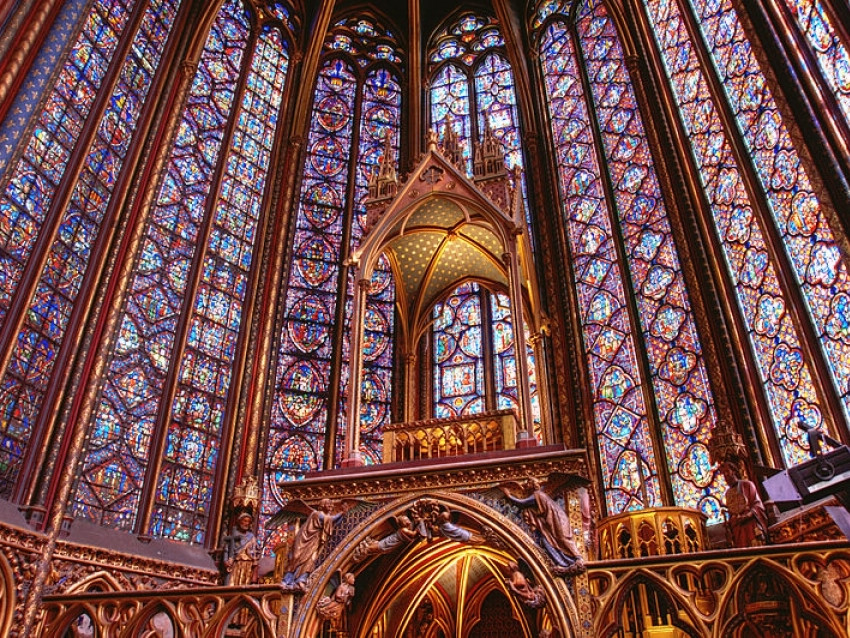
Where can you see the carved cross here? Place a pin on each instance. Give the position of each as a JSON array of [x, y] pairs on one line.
[[432, 175]]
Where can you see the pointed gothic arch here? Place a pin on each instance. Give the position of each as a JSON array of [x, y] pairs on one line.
[[609, 617], [767, 595], [505, 542], [481, 218], [152, 618]]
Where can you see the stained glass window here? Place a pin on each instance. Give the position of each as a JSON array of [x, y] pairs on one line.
[[635, 215], [625, 441], [504, 360], [818, 26], [28, 200], [359, 75], [185, 484], [381, 108], [133, 429], [683, 397], [796, 211], [462, 372], [472, 87], [458, 354]]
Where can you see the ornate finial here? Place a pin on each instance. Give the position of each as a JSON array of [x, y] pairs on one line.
[[489, 170], [451, 145], [433, 139], [246, 495], [383, 185], [489, 155], [726, 444]]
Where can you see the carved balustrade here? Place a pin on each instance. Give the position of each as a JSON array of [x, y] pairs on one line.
[[441, 438], [248, 611], [786, 591], [656, 531], [782, 591]]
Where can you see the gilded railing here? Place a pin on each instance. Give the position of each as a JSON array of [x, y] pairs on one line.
[[778, 591], [787, 591], [441, 438], [656, 531], [249, 612]]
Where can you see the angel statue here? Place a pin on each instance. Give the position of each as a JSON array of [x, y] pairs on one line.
[[405, 532], [550, 525], [310, 537], [433, 517], [331, 607]]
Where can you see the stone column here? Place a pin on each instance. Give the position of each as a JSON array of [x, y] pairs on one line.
[[525, 436], [355, 378]]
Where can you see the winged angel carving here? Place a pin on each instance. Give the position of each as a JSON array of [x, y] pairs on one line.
[[311, 536], [548, 520]]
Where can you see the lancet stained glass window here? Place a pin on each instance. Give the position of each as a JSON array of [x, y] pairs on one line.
[[504, 359], [680, 386], [166, 313], [812, 252], [468, 324], [185, 484], [381, 107], [459, 354], [359, 76], [29, 199], [472, 87], [818, 26]]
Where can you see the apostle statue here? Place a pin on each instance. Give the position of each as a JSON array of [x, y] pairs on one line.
[[240, 551], [747, 522]]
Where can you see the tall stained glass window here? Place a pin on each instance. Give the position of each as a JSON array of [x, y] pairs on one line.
[[782, 204], [182, 316], [612, 205], [61, 215], [356, 119], [818, 24], [466, 379], [472, 87]]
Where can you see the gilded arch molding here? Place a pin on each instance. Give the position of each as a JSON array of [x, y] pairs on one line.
[[504, 541]]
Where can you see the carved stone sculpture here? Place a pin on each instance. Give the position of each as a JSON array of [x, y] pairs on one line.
[[309, 540], [403, 535], [747, 522], [434, 518], [240, 551], [332, 607], [551, 526], [527, 594]]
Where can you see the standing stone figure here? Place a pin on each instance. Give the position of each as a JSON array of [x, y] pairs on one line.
[[747, 523], [240, 551]]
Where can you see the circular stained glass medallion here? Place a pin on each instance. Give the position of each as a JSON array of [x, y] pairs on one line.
[[308, 324], [315, 260], [332, 113], [298, 399]]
